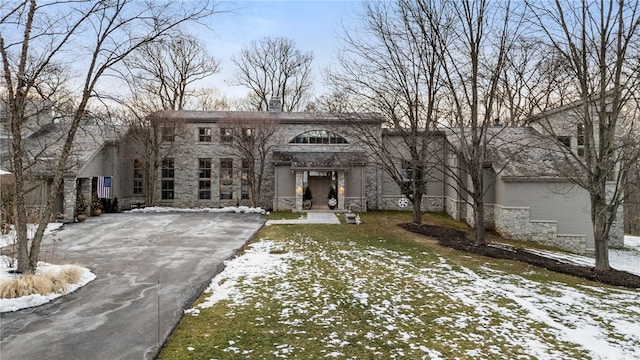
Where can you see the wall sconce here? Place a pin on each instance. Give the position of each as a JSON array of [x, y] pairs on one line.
[[299, 190], [341, 190]]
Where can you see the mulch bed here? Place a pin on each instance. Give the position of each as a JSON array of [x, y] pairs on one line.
[[457, 239]]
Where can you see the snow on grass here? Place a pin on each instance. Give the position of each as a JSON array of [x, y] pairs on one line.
[[626, 259], [421, 306], [10, 237]]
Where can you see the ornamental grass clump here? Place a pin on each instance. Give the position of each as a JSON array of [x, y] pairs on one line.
[[42, 283]]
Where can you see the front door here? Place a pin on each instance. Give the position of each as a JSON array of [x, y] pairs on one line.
[[319, 186]]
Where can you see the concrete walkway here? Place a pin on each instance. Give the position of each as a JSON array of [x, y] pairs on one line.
[[313, 217]]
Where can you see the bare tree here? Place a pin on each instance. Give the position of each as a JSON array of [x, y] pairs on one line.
[[212, 99], [167, 71], [99, 35], [253, 140], [390, 67], [598, 44], [273, 67], [474, 50]]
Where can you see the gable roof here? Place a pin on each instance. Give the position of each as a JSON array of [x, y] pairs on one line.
[[518, 153], [46, 145]]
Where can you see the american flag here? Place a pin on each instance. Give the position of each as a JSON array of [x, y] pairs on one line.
[[104, 187]]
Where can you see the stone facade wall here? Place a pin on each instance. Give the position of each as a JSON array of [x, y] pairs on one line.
[[489, 216], [286, 203], [574, 243], [187, 149], [429, 203], [69, 198], [515, 223]]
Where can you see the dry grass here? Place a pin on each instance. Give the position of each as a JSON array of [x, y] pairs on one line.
[[43, 283]]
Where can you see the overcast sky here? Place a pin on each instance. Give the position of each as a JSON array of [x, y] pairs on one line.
[[313, 25]]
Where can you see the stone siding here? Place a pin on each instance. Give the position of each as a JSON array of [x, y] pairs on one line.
[[429, 203], [285, 203], [451, 207], [515, 223]]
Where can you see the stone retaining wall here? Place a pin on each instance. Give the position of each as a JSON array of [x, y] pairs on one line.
[[515, 223]]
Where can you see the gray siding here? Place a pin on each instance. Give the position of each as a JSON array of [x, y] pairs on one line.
[[561, 202]]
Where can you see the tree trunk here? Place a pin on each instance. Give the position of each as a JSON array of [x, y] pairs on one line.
[[478, 215], [600, 232], [417, 209]]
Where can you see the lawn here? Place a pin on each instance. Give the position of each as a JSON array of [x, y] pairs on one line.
[[375, 291]]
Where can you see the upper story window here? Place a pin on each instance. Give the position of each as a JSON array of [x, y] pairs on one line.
[[226, 135], [138, 176], [168, 133], [318, 137], [204, 134], [247, 132]]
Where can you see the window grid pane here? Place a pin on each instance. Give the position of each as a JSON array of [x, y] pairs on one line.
[[244, 182], [204, 182], [204, 134], [167, 187], [138, 176], [226, 179]]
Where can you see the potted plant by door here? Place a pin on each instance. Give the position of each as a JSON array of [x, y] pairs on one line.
[[81, 208], [333, 201], [96, 204], [306, 198]]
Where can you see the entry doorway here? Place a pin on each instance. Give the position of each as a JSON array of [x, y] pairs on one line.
[[319, 182]]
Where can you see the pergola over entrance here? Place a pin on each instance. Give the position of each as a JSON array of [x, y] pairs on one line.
[[320, 171]]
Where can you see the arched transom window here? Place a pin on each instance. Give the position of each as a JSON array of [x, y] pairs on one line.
[[318, 137]]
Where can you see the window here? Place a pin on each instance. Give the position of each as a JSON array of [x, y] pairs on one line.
[[565, 140], [580, 139], [226, 179], [244, 180], [204, 179], [318, 137], [226, 135], [138, 176], [204, 134], [411, 174], [168, 133], [247, 133], [168, 173]]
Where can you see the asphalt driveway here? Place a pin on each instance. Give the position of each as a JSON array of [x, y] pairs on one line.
[[149, 268]]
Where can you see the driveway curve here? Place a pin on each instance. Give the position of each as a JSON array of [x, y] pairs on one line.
[[149, 268]]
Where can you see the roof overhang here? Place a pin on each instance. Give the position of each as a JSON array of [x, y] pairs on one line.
[[320, 160]]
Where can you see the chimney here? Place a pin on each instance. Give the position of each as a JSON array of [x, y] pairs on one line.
[[275, 104]]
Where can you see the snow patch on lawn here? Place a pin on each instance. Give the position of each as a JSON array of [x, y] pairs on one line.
[[539, 320]]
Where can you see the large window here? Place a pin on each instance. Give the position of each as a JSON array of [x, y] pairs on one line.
[[226, 179], [244, 181], [410, 170], [204, 179], [138, 176], [226, 135], [168, 174], [204, 134], [318, 137]]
